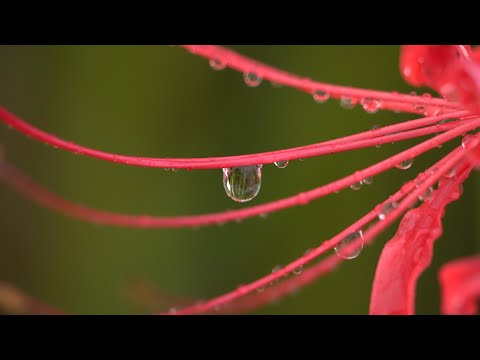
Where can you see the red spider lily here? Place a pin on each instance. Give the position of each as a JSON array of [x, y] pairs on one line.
[[452, 71]]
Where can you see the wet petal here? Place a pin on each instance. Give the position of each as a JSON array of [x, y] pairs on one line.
[[409, 253], [460, 283]]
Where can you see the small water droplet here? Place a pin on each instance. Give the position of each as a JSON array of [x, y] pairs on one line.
[[371, 105], [298, 270], [217, 64], [404, 165], [281, 164], [172, 310], [252, 79], [243, 183], [450, 173], [375, 127], [275, 85], [308, 251], [368, 180], [460, 189], [342, 247], [387, 209], [263, 215], [426, 195], [261, 289], [346, 103], [276, 268], [356, 186], [419, 107], [320, 96], [433, 112], [466, 140]]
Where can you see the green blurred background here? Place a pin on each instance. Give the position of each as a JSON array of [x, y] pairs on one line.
[[163, 101]]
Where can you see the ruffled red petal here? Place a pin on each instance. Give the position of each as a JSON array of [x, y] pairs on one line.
[[460, 283]]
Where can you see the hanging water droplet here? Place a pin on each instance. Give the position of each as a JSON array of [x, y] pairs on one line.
[[243, 183], [466, 140], [217, 64], [281, 164], [426, 195], [320, 96], [172, 311], [371, 105], [368, 180], [346, 103], [387, 209], [308, 251], [405, 164], [347, 252], [298, 270], [252, 79], [263, 215], [356, 186]]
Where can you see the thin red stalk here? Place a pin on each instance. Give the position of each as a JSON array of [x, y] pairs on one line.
[[246, 65], [460, 284], [15, 301], [302, 152], [442, 166], [23, 184]]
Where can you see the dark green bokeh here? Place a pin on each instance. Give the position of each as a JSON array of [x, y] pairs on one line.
[[163, 101]]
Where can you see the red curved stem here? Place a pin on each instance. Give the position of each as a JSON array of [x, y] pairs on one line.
[[302, 152], [389, 101]]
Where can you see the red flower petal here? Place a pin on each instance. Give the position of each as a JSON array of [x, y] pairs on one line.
[[409, 253], [460, 282], [411, 59]]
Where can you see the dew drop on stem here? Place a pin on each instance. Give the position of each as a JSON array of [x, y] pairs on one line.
[[404, 165], [281, 164], [346, 250], [252, 79], [320, 96], [217, 64]]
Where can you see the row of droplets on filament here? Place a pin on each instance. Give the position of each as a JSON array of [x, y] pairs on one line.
[[242, 184], [370, 105]]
